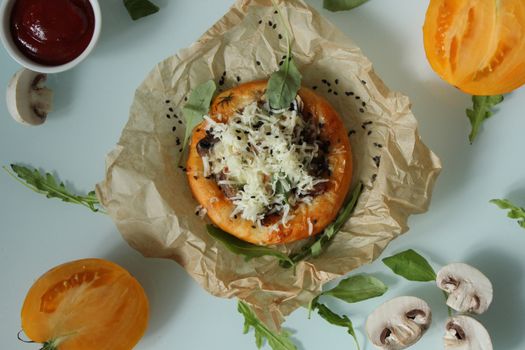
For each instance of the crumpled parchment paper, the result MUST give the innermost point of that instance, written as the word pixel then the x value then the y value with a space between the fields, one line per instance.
pixel 148 197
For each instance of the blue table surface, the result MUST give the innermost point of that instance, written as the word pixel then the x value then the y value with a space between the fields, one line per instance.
pixel 91 107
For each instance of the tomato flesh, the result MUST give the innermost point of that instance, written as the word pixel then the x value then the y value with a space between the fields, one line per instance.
pixel 86 304
pixel 477 45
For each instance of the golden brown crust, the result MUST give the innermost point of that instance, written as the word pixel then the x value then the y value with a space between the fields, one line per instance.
pixel 324 207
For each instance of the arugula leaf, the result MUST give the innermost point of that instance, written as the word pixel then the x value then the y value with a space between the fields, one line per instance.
pixel 48 185
pixel 140 8
pixel 515 212
pixel 276 341
pixel 357 288
pixel 315 247
pixel 197 107
pixel 411 266
pixel 335 319
pixel 481 110
pixel 240 247
pixel 342 5
pixel 283 85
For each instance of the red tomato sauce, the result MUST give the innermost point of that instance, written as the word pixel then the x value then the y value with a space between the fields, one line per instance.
pixel 52 32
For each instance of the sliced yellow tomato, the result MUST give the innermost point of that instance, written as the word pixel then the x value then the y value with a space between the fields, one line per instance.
pixel 477 45
pixel 85 305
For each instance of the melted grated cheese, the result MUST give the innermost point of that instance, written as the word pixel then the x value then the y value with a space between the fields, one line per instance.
pixel 262 156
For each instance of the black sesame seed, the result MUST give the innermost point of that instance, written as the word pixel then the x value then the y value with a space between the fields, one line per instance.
pixel 253 226
pixel 357 97
pixel 280 36
pixel 363 104
pixel 181 167
pixel 180 121
pixel 221 82
pixel 268 133
pixel 175 116
pixel 224 73
pixel 329 90
pixel 258 63
pixel 196 177
pixel 168 116
pixel 185 99
pixel 174 128
pixel 314 87
pixel 281 63
pixel 335 93
pixel 284 57
pixel 270 23
pixel 252 197
pixel 239 138
pixel 235 216
pixel 274 26
pixel 238 78
pixel 377 160
pixel 361 110
pixel 170 109
pixel 351 132
pixel 246 132
pixel 260 21
pixel 167 101
pixel 315 221
pixel 337 81
pixel 275 12
pixel 368 133
pixel 324 81
pixel 180 150
pixel 364 82
pixel 276 136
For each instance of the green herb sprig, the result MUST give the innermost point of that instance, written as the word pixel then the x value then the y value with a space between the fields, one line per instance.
pixel 342 5
pixel 283 85
pixel 51 187
pixel 413 267
pixel 481 111
pixel 351 290
pixel 140 8
pixel 515 212
pixel 197 107
pixel 315 247
pixel 248 250
pixel 276 341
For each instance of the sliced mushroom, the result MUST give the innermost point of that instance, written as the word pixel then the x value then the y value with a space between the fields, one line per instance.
pixel 28 100
pixel 468 289
pixel 465 333
pixel 398 323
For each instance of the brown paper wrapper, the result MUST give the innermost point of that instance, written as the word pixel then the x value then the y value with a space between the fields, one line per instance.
pixel 148 197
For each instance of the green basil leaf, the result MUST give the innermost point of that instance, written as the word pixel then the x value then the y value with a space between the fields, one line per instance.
pixel 48 185
pixel 342 5
pixel 240 247
pixel 315 247
pixel 481 111
pixel 284 84
pixel 140 8
pixel 515 212
pixel 197 107
pixel 357 288
pixel 280 341
pixel 337 320
pixel 411 266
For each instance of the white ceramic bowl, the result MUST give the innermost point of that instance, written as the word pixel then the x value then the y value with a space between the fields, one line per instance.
pixel 14 52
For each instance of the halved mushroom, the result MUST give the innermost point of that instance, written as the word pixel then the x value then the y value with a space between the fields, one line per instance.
pixel 398 323
pixel 468 289
pixel 28 100
pixel 465 333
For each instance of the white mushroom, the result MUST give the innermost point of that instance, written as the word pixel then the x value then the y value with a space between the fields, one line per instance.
pixel 398 323
pixel 28 100
pixel 468 289
pixel 465 333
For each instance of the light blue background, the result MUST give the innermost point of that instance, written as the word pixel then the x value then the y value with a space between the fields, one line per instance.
pixel 91 106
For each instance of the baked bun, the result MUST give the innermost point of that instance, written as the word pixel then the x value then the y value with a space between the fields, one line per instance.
pixel 312 209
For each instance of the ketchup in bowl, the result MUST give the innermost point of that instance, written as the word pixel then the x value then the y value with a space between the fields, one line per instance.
pixel 52 32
